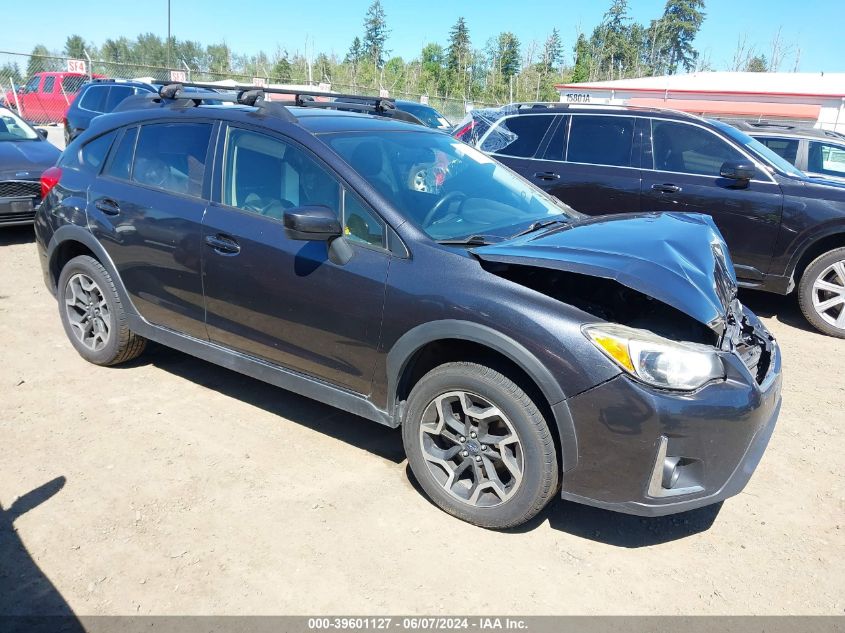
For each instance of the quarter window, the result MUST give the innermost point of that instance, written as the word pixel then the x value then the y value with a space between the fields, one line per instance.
pixel 689 149
pixel 171 156
pixel 826 159
pixel 518 136
pixel 120 163
pixel 93 153
pixel 116 95
pixel 94 99
pixel 601 140
pixel 73 83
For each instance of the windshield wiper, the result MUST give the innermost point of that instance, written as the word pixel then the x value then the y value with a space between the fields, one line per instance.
pixel 539 224
pixel 472 240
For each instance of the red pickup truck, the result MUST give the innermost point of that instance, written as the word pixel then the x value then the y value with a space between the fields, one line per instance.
pixel 46 97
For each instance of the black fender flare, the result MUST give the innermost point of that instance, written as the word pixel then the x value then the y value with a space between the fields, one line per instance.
pixel 809 240
pixel 80 234
pixel 413 340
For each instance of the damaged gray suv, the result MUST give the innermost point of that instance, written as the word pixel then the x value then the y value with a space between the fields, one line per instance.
pixel 525 350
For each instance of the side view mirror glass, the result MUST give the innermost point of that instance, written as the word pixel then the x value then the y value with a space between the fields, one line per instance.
pixel 42 133
pixel 736 170
pixel 312 223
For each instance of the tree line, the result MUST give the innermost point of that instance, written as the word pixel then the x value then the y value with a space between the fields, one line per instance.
pixel 501 69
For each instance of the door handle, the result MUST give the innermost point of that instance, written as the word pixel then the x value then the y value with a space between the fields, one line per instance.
pixel 546 175
pixel 107 206
pixel 223 244
pixel 666 188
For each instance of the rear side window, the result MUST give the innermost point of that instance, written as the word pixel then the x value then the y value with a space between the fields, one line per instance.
pixel 49 83
pixel 93 153
pixel 116 95
pixel 72 84
pixel 120 163
pixel 827 159
pixel 601 140
pixel 94 99
pixel 518 136
pixel 688 149
pixel 786 148
pixel 171 156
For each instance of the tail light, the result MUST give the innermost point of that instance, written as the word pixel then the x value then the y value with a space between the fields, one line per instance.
pixel 464 130
pixel 49 179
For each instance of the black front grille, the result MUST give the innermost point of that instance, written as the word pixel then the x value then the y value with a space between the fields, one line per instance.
pixel 20 189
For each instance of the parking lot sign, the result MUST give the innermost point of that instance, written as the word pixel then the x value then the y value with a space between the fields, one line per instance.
pixel 259 82
pixel 178 75
pixel 76 66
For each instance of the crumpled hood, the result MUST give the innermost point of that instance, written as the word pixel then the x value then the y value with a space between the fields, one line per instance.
pixel 29 157
pixel 678 258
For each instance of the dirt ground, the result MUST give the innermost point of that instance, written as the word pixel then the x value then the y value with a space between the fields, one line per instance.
pixel 172 486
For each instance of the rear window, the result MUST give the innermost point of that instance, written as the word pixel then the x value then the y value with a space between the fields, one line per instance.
pixel 601 140
pixel 518 136
pixel 73 83
pixel 171 156
pixel 94 98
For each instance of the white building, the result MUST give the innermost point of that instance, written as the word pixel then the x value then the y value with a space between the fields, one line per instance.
pixel 814 99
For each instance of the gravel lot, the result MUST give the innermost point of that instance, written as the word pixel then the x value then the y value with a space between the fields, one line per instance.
pixel 172 486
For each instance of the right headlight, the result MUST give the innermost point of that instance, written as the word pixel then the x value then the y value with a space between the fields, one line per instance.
pixel 656 360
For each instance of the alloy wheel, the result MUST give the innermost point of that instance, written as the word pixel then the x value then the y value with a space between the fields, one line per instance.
pixel 829 294
pixel 471 449
pixel 87 312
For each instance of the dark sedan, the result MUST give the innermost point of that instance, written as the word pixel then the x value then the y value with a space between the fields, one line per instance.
pixel 24 155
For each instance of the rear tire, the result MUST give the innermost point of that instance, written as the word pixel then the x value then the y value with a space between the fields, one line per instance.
pixel 93 315
pixel 479 446
pixel 821 293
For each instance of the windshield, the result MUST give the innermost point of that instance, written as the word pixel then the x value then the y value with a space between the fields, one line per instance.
pixel 760 150
pixel 444 186
pixel 426 114
pixel 14 128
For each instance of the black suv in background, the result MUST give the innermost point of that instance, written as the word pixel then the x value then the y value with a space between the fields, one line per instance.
pixel 784 230
pixel 99 97
pixel 818 153
pixel 517 343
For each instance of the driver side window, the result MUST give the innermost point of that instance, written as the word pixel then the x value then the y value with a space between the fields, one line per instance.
pixel 266 176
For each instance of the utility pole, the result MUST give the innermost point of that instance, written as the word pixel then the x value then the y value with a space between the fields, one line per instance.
pixel 168 33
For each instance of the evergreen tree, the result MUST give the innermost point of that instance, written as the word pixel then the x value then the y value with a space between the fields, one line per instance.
pixel 74 47
pixel 757 64
pixel 583 60
pixel 552 51
pixel 508 55
pixel 674 33
pixel 356 52
pixel 458 57
pixel 375 35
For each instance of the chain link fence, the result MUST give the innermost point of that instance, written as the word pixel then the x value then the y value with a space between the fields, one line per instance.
pixel 41 88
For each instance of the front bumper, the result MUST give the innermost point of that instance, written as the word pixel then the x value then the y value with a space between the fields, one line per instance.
pixel 17 211
pixel 712 438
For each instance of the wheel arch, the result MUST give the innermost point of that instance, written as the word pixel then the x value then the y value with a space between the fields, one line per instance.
pixel 832 238
pixel 438 342
pixel 71 241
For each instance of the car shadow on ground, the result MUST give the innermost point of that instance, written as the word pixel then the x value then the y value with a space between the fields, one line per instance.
pixel 783 308
pixel 26 594
pixel 346 427
pixel 13 235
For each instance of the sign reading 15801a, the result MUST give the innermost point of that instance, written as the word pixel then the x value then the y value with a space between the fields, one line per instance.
pixel 577 97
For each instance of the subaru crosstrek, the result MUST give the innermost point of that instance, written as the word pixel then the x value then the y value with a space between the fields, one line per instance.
pixel 399 274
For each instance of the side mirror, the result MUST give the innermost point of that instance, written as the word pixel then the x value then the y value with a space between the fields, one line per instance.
pixel 312 223
pixel 735 170
pixel 42 133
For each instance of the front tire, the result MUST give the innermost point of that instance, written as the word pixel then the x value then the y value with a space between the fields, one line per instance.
pixel 821 293
pixel 479 446
pixel 93 316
